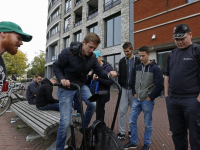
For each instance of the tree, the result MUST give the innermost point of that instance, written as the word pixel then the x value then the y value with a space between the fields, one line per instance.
pixel 15 64
pixel 37 65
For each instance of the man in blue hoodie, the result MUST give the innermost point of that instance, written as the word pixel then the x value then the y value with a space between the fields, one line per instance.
pixel 104 84
pixel 182 90
pixel 148 86
pixel 73 65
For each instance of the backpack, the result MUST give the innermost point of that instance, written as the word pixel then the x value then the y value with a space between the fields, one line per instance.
pixel 93 86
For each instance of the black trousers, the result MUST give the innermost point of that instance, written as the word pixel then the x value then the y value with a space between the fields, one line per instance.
pixel 184 114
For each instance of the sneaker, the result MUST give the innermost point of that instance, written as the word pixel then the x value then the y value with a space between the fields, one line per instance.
pixel 129 145
pixel 129 134
pixel 145 147
pixel 121 136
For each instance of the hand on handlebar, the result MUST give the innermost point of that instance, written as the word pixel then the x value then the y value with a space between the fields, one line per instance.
pixel 112 73
pixel 65 83
pixel 95 77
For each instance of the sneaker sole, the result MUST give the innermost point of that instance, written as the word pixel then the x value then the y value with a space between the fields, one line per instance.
pixel 130 147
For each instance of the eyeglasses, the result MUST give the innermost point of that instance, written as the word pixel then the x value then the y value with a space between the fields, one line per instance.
pixel 39 79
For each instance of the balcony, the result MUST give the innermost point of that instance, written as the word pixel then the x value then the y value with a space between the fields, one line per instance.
pixel 77 2
pixel 53 22
pixel 92 13
pixel 111 4
pixel 78 22
pixel 68 10
pixel 52 8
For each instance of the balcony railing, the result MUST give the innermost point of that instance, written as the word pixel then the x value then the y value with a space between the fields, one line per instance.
pixel 111 4
pixel 67 29
pixel 68 10
pixel 50 59
pixel 77 2
pixel 93 13
pixel 78 22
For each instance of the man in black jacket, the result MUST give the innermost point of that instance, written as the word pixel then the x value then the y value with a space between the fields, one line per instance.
pixel 73 65
pixel 182 90
pixel 44 98
pixel 127 67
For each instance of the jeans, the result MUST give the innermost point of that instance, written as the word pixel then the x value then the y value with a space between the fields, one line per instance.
pixel 184 114
pixel 50 106
pixel 65 104
pixel 147 108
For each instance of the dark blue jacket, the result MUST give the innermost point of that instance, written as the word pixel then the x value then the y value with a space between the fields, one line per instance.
pixel 71 66
pixel 31 91
pixel 183 72
pixel 104 84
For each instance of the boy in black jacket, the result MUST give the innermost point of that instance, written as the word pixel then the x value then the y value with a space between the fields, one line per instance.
pixel 44 98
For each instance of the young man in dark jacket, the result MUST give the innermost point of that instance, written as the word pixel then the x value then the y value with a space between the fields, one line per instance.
pixel 127 66
pixel 73 65
pixel 104 84
pixel 148 85
pixel 32 89
pixel 44 98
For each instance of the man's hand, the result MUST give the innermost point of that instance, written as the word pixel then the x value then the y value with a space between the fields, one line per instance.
pixel 198 98
pixel 90 73
pixel 135 95
pixel 65 83
pixel 95 77
pixel 148 99
pixel 112 73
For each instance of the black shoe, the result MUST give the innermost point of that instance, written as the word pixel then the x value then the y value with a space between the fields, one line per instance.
pixel 145 147
pixel 129 145
pixel 121 136
pixel 129 134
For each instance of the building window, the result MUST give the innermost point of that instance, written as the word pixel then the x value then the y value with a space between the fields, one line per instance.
pixel 77 37
pixel 93 29
pixel 54 15
pixel 52 3
pixel 78 2
pixel 67 24
pixel 53 31
pixel 113 31
pixel 110 3
pixel 68 6
pixel 162 58
pixel 67 42
pixel 53 54
pixel 189 1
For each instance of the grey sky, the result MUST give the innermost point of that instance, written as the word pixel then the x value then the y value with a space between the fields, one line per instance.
pixel 31 16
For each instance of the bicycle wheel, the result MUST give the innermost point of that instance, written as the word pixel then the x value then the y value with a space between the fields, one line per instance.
pixel 105 139
pixel 5 103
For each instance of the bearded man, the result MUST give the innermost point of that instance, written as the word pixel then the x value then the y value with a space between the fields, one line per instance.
pixel 11 37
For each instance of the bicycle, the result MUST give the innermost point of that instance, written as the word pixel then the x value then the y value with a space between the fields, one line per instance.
pixel 98 136
pixel 6 97
pixel 17 87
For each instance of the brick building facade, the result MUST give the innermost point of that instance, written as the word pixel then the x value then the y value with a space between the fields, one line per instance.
pixel 154 22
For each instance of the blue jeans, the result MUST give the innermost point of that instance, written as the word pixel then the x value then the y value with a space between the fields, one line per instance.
pixel 50 106
pixel 65 104
pixel 136 108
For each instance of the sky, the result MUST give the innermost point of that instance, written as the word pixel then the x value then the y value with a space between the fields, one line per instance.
pixel 31 16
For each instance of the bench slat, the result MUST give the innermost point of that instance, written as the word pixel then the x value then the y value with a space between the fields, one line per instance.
pixel 29 122
pixel 40 113
pixel 35 115
pixel 32 119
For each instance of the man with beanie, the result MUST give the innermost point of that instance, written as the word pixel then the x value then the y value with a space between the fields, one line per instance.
pixel 182 88
pixel 11 37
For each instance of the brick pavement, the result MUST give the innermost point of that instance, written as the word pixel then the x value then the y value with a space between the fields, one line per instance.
pixel 12 138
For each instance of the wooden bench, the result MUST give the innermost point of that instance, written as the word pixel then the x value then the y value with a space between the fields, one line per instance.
pixel 43 122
